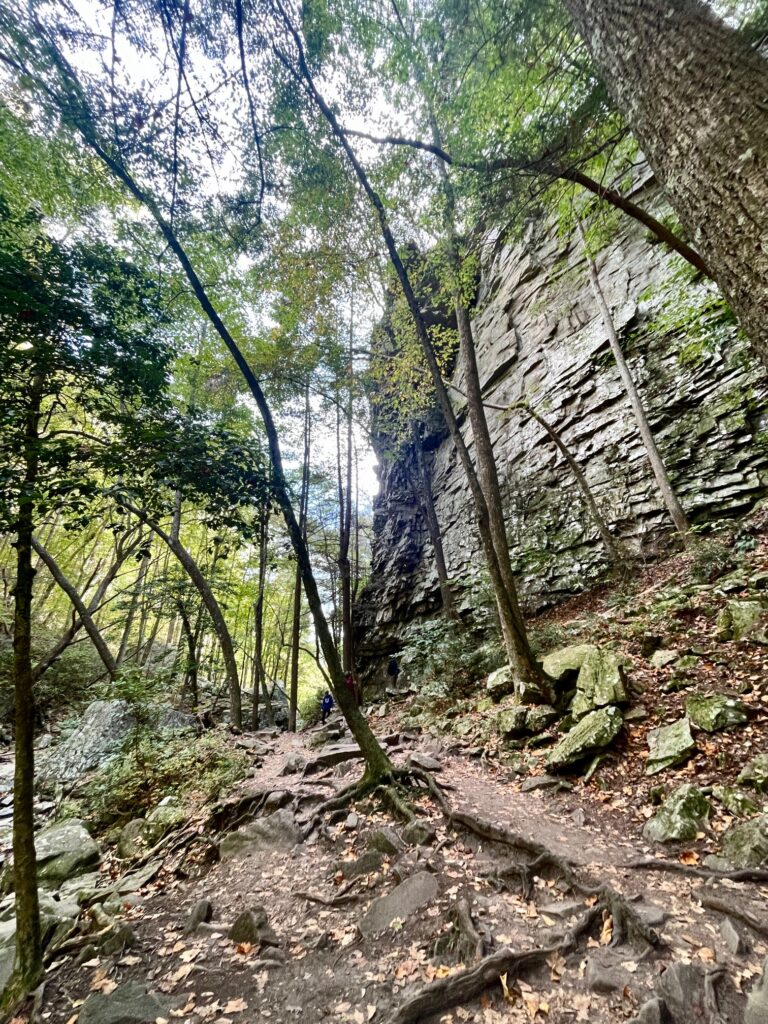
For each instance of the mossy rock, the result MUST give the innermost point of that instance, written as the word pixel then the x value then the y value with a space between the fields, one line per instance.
pixel 746 845
pixel 593 733
pixel 740 620
pixel 669 745
pixel 716 711
pixel 511 721
pixel 680 818
pixel 734 801
pixel 500 683
pixel 540 718
pixel 600 683
pixel 755 773
pixel 567 661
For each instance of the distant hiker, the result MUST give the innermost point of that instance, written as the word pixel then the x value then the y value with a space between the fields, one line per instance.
pixel 353 688
pixel 393 670
pixel 327 705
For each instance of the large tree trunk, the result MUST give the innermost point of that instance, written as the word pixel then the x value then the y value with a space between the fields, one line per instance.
pixel 694 93
pixel 28 966
pixel 293 695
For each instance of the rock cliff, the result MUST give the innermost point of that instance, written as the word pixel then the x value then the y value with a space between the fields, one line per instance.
pixel 539 337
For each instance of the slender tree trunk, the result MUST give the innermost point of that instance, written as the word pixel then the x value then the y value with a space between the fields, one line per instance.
pixel 28 966
pixel 190 680
pixel 258 618
pixel 79 605
pixel 668 495
pixel 694 93
pixel 424 489
pixel 293 696
pixel 345 520
pixel 223 635
pixel 132 609
pixel 611 547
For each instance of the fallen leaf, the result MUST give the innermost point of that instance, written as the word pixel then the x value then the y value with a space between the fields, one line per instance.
pixel 689 857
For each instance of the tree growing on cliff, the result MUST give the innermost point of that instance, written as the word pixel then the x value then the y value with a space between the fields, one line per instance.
pixel 693 90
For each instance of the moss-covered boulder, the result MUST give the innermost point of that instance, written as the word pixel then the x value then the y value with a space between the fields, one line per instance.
pixel 746 845
pixel 540 718
pixel 64 850
pixel 511 721
pixel 734 801
pixel 716 711
pixel 500 683
pixel 741 620
pixel 681 816
pixel 600 683
pixel 594 732
pixel 162 819
pixel 564 663
pixel 755 773
pixel 669 745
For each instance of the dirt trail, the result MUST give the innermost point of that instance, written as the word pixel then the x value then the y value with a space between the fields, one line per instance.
pixel 325 970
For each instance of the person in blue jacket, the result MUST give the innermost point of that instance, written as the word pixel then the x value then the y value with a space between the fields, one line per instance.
pixel 327 705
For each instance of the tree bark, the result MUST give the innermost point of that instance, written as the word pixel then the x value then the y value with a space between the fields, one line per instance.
pixel 258 618
pixel 293 694
pixel 190 675
pixel 694 93
pixel 135 598
pixel 666 489
pixel 28 965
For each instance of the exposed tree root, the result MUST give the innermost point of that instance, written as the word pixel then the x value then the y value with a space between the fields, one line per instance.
pixel 731 910
pixel 466 985
pixel 628 926
pixel 342 900
pixel 652 864
pixel 472 945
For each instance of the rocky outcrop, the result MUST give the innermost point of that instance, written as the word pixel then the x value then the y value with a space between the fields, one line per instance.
pixel 539 337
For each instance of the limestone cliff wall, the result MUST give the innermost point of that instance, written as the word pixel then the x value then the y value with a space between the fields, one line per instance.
pixel 539 336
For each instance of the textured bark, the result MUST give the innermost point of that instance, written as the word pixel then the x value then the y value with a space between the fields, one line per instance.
pixel 258 619
pixel 293 696
pixel 132 608
pixel 28 966
pixel 696 96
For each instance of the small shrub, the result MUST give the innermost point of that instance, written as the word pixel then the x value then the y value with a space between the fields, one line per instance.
pixel 711 560
pixel 194 769
pixel 443 657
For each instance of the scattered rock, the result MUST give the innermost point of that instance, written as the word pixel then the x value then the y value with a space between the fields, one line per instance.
pixel 534 782
pixel 277 831
pixel 738 803
pixel 132 841
pixel 410 896
pixel 419 833
pixel 746 845
pixel 273 955
pixel 127 1004
pixel 681 816
pixel 511 721
pixel 64 850
pixel 606 978
pixel 294 763
pixel 734 937
pixel 562 909
pixel 387 841
pixel 366 864
pixel 162 819
pixel 253 926
pixel 669 745
pixel 120 938
pixel 755 773
pixel 741 620
pixel 653 1011
pixel 333 755
pixel 563 665
pixel 540 718
pixel 757 1001
pixel 500 683
pixel 594 732
pixel 651 914
pixel 201 913
pixel 600 683
pixel 351 822
pixel 425 762
pixel 714 712
pixel 662 658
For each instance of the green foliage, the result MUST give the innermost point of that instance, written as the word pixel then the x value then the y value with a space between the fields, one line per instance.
pixel 194 769
pixel 443 657
pixel 712 558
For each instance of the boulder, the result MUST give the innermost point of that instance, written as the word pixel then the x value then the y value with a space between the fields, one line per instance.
pixel 421 760
pixel 563 665
pixel 64 850
pixel 756 1011
pixel 669 745
pixel 746 845
pixel 554 782
pixel 403 902
pixel 334 754
pixel 132 841
pixel 127 1004
pixel 293 764
pixel 253 927
pixel 594 732
pixel 366 864
pixel 653 1011
pixel 276 831
pixel 735 801
pixel 755 773
pixel 104 730
pixel 680 818
pixel 201 913
pixel 741 620
pixel 162 819
pixel 540 718
pixel 714 712
pixel 600 683
pixel 684 989
pixel 419 833
pixel 387 841
pixel 500 683
pixel 663 657
pixel 511 721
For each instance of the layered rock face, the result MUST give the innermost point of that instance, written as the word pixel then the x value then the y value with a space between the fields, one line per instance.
pixel 540 338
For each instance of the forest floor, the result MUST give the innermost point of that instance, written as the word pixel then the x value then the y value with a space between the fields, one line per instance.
pixel 611 936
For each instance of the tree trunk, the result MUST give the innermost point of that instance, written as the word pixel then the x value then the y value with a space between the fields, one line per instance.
pixel 293 695
pixel 424 489
pixel 190 674
pixel 135 598
pixel 694 92
pixel 258 618
pixel 28 966
pixel 84 615
pixel 668 495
